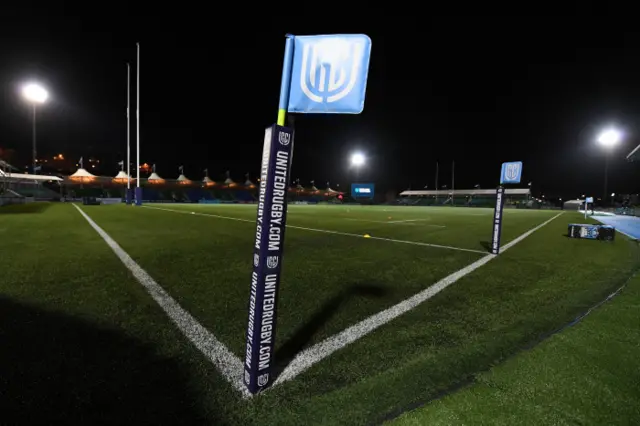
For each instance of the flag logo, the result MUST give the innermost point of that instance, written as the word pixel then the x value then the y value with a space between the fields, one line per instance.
pixel 330 68
pixel 284 138
pixel 263 379
pixel 329 74
pixel 272 262
pixel 512 171
pixel 256 260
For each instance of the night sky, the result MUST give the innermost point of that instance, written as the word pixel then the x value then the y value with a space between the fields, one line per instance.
pixel 477 91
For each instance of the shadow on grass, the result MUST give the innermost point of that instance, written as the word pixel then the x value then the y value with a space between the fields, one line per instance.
pixel 304 334
pixel 486 245
pixel 36 207
pixel 56 369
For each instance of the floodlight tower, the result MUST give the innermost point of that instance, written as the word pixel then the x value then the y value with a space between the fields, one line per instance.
pixel 34 94
pixel 608 139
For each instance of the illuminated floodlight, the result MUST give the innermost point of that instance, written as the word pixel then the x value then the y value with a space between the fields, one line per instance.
pixel 357 159
pixel 609 137
pixel 35 93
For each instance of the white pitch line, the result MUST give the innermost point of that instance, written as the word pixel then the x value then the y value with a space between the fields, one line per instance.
pixel 202 214
pixel 226 362
pixel 318 352
pixel 395 222
pixel 325 231
pixel 364 220
pixel 413 222
pixel 407 220
pixel 391 240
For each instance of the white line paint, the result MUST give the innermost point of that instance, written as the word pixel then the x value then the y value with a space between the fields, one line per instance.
pixel 325 231
pixel 407 220
pixel 201 214
pixel 395 222
pixel 318 352
pixel 364 220
pixel 226 362
pixel 525 235
pixel 421 244
pixel 413 222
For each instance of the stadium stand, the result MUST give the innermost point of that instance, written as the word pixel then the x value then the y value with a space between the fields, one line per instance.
pixel 36 187
pixel 155 189
pixel 516 197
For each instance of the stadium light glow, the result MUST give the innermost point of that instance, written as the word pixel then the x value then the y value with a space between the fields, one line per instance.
pixel 609 137
pixel 357 159
pixel 35 93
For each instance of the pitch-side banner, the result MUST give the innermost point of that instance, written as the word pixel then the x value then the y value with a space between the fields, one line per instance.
pixel 497 221
pixel 267 257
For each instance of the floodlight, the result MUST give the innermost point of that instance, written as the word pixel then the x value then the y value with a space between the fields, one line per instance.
pixel 35 93
pixel 357 159
pixel 609 137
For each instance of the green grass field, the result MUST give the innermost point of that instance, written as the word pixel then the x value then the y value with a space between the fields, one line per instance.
pixel 586 375
pixel 82 340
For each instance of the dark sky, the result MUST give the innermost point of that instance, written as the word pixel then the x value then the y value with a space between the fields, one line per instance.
pixel 479 91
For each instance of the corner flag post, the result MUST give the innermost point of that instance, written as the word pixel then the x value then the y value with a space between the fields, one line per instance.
pixel 269 240
pixel 510 173
pixel 329 75
pixel 497 220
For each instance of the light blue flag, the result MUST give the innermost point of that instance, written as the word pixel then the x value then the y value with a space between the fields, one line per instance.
pixel 329 74
pixel 511 172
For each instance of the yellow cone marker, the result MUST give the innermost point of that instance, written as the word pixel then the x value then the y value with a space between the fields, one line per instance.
pixel 367 236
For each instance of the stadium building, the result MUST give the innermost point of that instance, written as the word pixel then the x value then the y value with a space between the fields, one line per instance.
pixel 465 198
